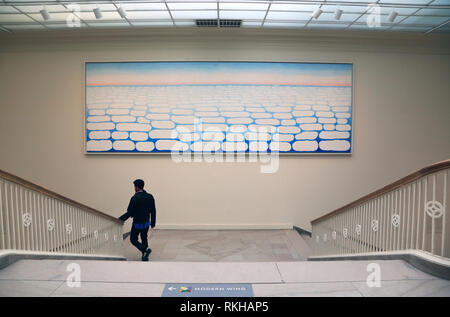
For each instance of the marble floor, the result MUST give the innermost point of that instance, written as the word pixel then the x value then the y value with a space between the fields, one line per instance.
pixel 224 246
pixel 46 278
pixel 273 262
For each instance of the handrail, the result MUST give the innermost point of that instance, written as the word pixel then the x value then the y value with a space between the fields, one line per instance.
pixel 409 214
pixel 18 180
pixel 33 218
pixel 436 167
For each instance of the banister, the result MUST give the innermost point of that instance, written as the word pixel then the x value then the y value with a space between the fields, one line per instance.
pixel 18 180
pixel 403 181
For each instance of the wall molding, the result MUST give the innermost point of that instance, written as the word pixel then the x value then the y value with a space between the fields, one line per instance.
pixel 226 39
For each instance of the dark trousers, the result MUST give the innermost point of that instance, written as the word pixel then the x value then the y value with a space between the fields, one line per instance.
pixel 134 234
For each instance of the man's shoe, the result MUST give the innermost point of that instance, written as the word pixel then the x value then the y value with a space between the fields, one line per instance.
pixel 146 254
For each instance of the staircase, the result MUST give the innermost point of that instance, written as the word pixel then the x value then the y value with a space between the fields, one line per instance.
pixel 380 245
pixel 299 278
pixel 408 219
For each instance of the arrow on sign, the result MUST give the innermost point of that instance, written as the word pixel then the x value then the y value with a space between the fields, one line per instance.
pixel 172 288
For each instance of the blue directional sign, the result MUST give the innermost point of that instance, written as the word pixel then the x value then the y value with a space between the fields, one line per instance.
pixel 207 290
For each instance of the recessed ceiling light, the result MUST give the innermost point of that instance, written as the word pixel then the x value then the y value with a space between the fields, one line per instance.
pixel 337 14
pixel 98 13
pixel 317 13
pixel 392 16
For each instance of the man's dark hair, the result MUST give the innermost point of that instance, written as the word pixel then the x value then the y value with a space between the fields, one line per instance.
pixel 139 183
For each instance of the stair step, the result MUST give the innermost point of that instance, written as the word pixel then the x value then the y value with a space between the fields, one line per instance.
pixel 210 272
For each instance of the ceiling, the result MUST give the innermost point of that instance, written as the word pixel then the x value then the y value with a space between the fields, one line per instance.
pixel 423 16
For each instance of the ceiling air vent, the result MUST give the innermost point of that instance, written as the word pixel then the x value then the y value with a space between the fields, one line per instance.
pixel 223 23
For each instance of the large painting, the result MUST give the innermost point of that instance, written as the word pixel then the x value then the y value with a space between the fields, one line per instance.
pixel 159 107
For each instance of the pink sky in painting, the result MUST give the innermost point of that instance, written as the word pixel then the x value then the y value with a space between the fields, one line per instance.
pixel 181 78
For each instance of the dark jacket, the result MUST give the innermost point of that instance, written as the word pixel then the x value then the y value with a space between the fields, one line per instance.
pixel 140 208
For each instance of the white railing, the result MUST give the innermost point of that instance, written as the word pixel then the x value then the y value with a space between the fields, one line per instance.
pixel 33 218
pixel 410 214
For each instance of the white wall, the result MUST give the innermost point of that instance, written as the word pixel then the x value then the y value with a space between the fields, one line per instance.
pixel 401 123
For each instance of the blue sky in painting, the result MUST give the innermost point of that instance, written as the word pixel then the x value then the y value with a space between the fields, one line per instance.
pixel 122 73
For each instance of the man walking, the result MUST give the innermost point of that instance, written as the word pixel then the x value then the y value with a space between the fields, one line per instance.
pixel 140 208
